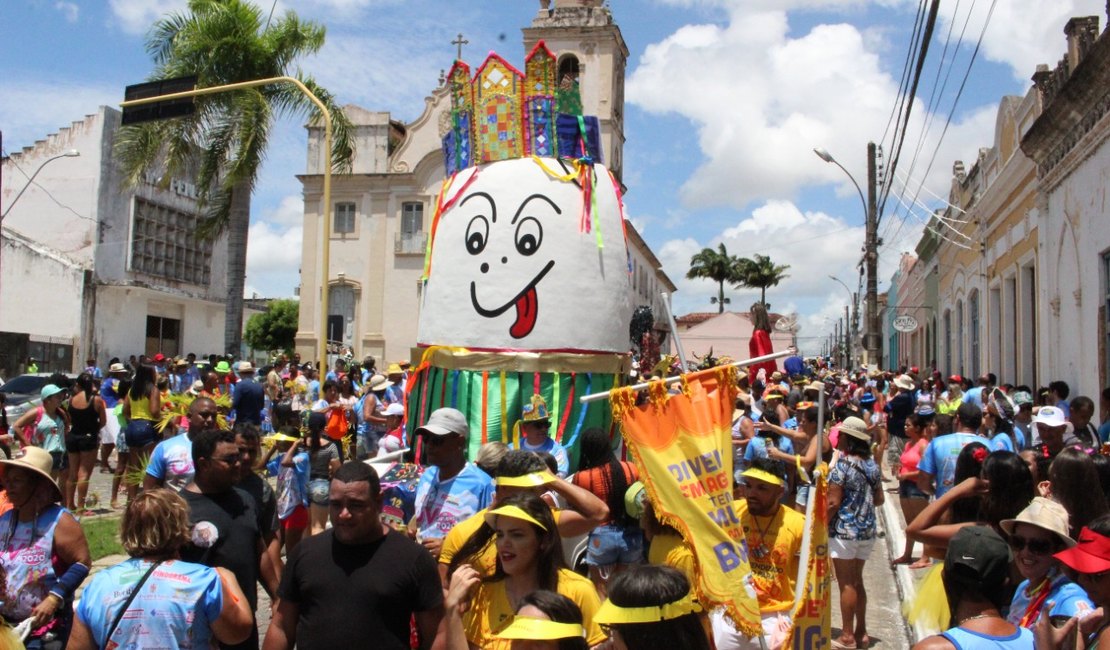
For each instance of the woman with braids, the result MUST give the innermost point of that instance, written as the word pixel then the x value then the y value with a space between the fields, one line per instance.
pixel 652 607
pixel 529 558
pixel 619 542
pixel 546 620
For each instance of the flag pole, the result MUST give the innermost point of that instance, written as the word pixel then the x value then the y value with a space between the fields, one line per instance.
pixel 594 397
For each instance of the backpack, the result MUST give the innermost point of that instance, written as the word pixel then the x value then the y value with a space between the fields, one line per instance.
pixel 336 428
pixel 30 431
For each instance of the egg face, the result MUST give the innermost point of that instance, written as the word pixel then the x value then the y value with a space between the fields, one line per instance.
pixel 514 268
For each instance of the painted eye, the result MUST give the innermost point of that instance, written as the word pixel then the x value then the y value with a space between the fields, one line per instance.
pixel 529 236
pixel 477 234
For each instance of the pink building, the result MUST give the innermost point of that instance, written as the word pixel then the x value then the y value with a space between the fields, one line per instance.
pixel 727 334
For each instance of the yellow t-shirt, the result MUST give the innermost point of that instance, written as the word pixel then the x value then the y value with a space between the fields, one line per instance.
pixel 457 536
pixel 670 550
pixel 490 611
pixel 773 547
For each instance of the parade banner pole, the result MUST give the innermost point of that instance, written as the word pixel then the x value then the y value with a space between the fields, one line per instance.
pixel 674 329
pixel 595 397
pixel 807 543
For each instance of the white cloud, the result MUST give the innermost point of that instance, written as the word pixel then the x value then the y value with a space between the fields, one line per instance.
pixel 55 106
pixel 68 10
pixel 137 16
pixel 273 259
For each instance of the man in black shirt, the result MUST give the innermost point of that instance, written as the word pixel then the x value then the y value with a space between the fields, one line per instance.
pixel 358 584
pixel 224 519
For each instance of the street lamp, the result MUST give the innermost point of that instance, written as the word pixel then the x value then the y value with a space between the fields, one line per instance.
pixel 870 247
pixel 851 333
pixel 72 153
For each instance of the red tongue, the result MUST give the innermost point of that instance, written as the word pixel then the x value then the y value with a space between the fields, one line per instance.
pixel 526 309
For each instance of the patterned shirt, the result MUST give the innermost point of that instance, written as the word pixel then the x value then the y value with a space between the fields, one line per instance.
pixel 858 478
pixel 441 505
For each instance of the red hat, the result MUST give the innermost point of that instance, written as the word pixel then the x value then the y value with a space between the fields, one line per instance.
pixel 1090 555
pixel 955 379
pixel 159 358
pixel 913 369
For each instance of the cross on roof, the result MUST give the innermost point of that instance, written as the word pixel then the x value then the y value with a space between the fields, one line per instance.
pixel 460 41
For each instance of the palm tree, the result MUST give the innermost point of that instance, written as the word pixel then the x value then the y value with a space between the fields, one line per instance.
pixel 224 143
pixel 760 272
pixel 718 266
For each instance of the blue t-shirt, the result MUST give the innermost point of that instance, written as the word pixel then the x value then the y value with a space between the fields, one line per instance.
pixel 1001 442
pixel 857 478
pixel 440 505
pixel 1069 599
pixel 939 458
pixel 292 483
pixel 108 392
pixel 553 448
pixel 974 396
pixel 757 448
pixel 1021 639
pixel 1104 431
pixel 172 462
pixel 174 609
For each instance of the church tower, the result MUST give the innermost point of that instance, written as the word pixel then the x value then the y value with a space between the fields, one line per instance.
pixel 590 52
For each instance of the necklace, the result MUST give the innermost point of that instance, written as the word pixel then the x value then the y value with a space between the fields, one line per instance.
pixel 760 550
pixel 983 615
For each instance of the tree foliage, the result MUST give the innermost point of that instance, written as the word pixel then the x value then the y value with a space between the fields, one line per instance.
pixel 759 273
pixel 275 328
pixel 716 265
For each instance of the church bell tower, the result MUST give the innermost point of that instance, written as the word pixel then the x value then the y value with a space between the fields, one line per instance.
pixel 590 52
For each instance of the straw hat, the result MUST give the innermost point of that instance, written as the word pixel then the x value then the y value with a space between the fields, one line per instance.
pixel 379 382
pixel 904 382
pixel 1044 514
pixel 856 428
pixel 37 460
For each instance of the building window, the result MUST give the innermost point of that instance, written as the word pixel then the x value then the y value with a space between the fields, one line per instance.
pixel 341 314
pixel 163 335
pixel 960 336
pixel 948 341
pixel 164 243
pixel 1105 318
pixel 344 218
pixel 973 326
pixel 412 217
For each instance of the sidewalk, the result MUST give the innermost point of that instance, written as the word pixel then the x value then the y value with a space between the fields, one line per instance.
pixel 905 579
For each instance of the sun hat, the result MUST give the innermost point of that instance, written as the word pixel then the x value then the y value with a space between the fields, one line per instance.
pixel 197 387
pixel 396 408
pixel 116 367
pixel 223 367
pixel 37 460
pixel 1044 514
pixel 444 422
pixel 776 376
pixel 245 367
pixel 535 410
pixel 1050 416
pixel 1091 553
pixel 394 369
pixel 281 437
pixel 524 628
pixel 977 555
pixel 855 428
pixel 379 382
pixel 613 614
pixel 514 512
pixel 904 382
pixel 817 386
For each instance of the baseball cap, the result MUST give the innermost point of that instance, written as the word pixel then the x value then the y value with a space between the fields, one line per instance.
pixel 955 379
pixel 444 422
pixel 1091 554
pixel 1050 416
pixel 394 409
pixel 977 555
pixel 159 358
pixel 1022 398
pixel 49 390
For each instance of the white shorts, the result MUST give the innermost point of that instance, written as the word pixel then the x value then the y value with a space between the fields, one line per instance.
pixel 110 431
pixel 776 627
pixel 850 549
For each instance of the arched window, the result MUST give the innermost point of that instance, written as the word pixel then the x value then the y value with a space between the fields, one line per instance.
pixel 960 336
pixel 973 331
pixel 341 313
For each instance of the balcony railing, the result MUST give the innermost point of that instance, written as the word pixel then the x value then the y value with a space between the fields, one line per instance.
pixel 410 243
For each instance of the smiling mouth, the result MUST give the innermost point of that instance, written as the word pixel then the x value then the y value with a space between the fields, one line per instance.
pixel 526 303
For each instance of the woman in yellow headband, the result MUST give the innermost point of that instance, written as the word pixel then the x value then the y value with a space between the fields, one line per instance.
pixel 529 558
pixel 651 607
pixel 546 620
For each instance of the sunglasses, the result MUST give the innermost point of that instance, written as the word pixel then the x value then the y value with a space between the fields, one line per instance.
pixel 1035 546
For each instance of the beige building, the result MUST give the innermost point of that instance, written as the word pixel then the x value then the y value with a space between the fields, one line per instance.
pixel 381 211
pixel 725 334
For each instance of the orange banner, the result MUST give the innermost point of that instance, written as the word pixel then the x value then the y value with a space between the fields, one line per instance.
pixel 682 445
pixel 812 614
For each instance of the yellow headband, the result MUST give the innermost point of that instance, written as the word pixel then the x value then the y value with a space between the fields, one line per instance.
pixel 762 475
pixel 513 512
pixel 538 629
pixel 535 479
pixel 610 614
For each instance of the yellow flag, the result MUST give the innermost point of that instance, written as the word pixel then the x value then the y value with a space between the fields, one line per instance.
pixel 682 446
pixel 812 613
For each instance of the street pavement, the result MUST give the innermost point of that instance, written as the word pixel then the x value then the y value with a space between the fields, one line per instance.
pixel 886 589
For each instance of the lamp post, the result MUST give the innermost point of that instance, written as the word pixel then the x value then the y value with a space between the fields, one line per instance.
pixel 870 246
pixel 71 153
pixel 855 316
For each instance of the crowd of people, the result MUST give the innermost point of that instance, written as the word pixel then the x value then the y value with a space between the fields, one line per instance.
pixel 272 479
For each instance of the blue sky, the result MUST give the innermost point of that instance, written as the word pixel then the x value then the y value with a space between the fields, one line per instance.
pixel 725 101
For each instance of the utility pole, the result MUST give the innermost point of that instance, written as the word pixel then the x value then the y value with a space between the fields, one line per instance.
pixel 847 339
pixel 871 258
